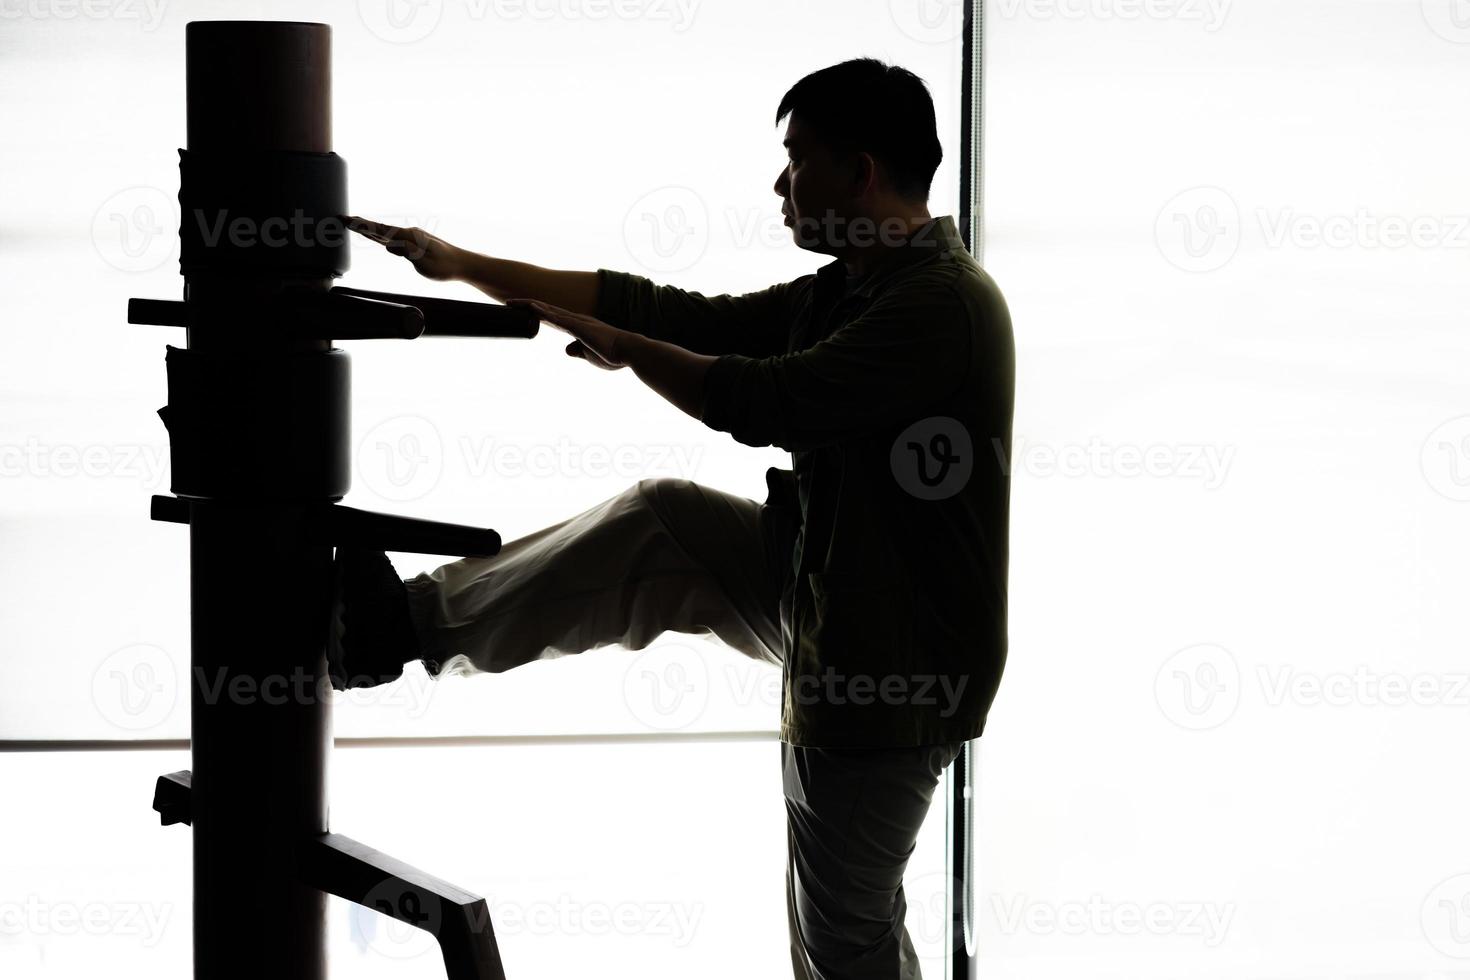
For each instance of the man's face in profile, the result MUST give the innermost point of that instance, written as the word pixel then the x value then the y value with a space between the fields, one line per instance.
pixel 814 192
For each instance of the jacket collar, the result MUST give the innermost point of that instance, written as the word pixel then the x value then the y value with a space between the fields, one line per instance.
pixel 936 236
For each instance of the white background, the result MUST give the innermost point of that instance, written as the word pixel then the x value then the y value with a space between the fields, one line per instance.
pixel 1229 739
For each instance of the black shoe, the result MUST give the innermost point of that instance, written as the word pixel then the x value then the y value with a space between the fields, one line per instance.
pixel 370 636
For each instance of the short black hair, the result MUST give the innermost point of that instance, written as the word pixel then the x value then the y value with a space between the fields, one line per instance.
pixel 866 105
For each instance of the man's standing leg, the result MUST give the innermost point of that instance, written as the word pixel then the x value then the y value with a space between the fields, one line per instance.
pixel 853 817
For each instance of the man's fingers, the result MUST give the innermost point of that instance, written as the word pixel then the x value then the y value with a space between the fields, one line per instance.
pixel 378 232
pixel 541 309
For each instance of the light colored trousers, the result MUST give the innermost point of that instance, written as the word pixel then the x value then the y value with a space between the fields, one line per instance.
pixel 672 555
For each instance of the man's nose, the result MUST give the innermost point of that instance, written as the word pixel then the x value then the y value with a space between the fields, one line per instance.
pixel 781 185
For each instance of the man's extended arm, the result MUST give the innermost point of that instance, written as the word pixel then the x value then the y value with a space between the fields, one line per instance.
pixel 504 279
pixel 756 324
pixel 671 371
pixel 501 279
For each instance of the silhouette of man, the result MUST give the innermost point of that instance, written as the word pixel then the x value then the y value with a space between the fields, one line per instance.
pixel 874 574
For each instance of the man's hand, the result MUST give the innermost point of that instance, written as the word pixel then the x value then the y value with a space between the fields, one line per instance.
pixel 594 341
pixel 432 257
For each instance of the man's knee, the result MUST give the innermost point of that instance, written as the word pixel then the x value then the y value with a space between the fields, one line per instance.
pixel 657 489
pixel 675 500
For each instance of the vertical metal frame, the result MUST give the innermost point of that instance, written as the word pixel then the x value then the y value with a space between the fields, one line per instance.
pixel 960 846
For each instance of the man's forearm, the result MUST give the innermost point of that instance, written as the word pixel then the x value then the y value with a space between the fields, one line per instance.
pixel 504 279
pixel 675 373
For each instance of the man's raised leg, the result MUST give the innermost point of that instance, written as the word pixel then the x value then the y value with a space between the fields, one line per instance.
pixel 665 555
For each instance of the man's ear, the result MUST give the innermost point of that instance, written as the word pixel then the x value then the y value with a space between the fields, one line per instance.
pixel 864 172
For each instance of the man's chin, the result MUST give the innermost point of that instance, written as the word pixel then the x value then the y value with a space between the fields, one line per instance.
pixel 805 235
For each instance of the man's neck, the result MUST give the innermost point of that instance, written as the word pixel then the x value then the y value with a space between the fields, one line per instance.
pixel 859 261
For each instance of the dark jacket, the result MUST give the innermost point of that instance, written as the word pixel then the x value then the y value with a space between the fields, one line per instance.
pixel 895 402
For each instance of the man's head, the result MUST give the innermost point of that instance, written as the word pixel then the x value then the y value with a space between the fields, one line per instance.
pixel 862 150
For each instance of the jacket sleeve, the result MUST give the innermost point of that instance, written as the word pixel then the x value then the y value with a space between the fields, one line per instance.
pixel 754 324
pixel 910 349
